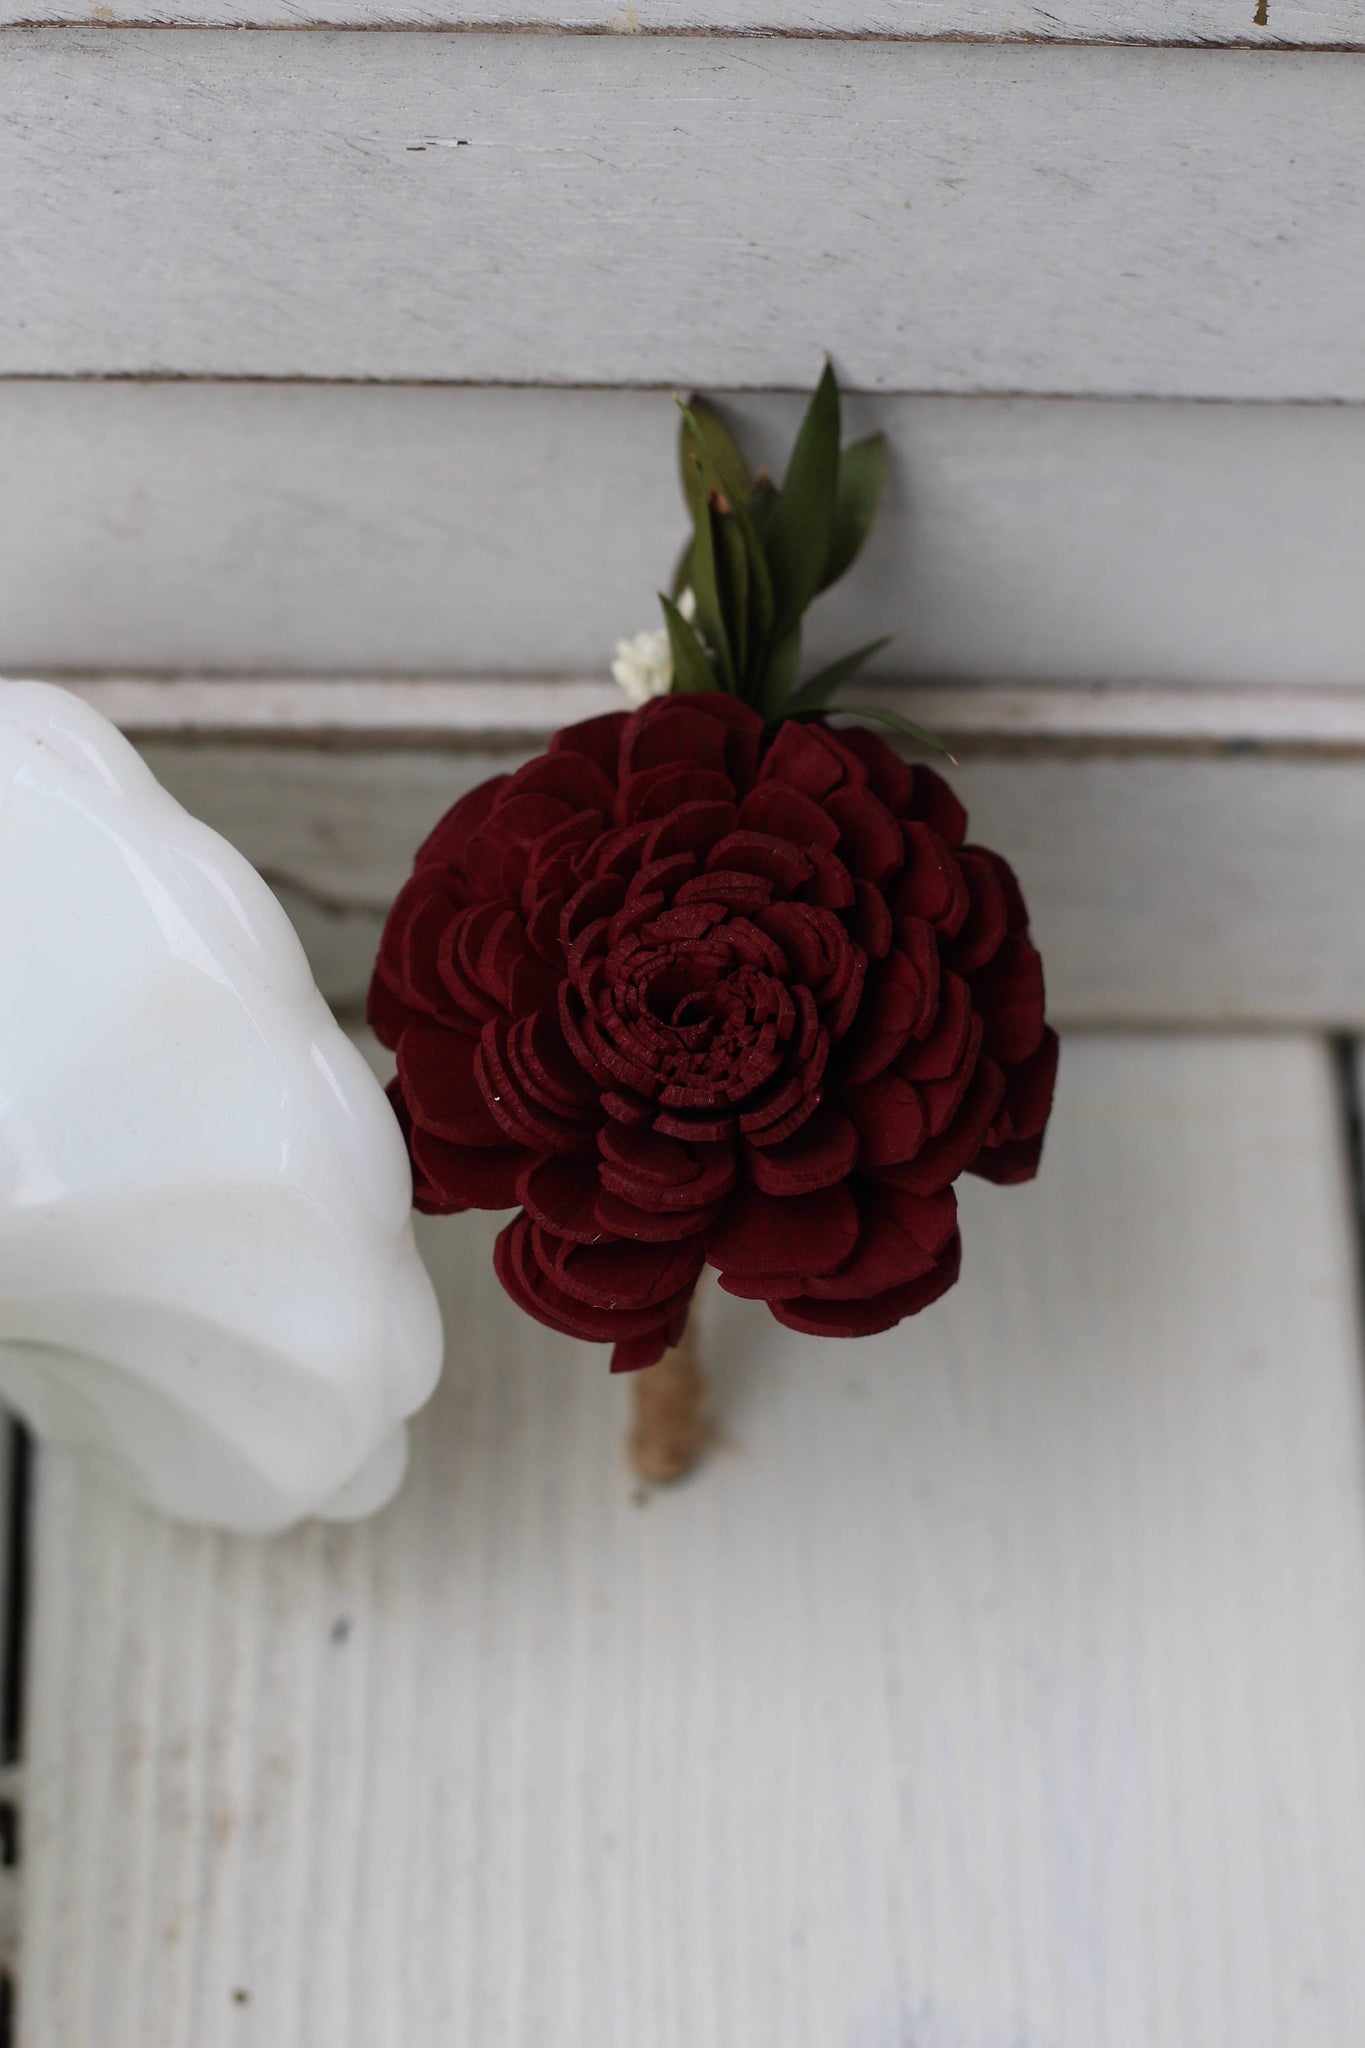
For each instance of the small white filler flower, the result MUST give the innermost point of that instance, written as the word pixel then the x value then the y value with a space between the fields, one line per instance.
pixel 644 665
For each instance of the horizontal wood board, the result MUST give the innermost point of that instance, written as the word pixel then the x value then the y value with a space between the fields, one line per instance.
pixel 971 718
pixel 174 526
pixel 1219 889
pixel 569 209
pixel 999 1680
pixel 1281 24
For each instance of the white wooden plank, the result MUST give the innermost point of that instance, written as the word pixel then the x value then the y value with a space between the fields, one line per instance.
pixel 342 710
pixel 1000 1681
pixel 177 526
pixel 1217 889
pixel 942 216
pixel 1280 24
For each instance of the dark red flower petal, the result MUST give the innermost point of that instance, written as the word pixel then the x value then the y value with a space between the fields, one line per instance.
pixel 619 1218
pixel 777 812
pixel 598 738
pixel 885 1257
pixel 652 1170
pixel 942 1098
pixel 710 731
pixel 887 775
pixel 450 1178
pixel 932 800
pixel 758 1233
pixel 987 919
pixel 634 1354
pixel 820 1153
pixel 901 993
pixel 727 889
pixel 941 1160
pixel 627 1274
pixel 870 843
pixel 871 922
pixel 518 1112
pixel 560 1194
pixel 1016 909
pixel 1009 1164
pixel 570 778
pixel 614 981
pixel 405 970
pixel 436 1070
pixel 940 1051
pixel 1029 1089
pixel 889 1115
pixel 831 885
pixel 930 884
pixel 866 1318
pixel 1009 995
pixel 655 792
pixel 545 1067
pixel 458 954
pixel 446 844
pixel 387 1015
pixel 804 757
pixel 514 820
pixel 756 853
pixel 695 827
pixel 519 1259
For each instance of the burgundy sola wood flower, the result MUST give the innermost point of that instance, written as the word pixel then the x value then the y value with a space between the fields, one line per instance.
pixel 711 983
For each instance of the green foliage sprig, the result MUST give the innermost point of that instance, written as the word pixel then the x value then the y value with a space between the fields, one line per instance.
pixel 761 554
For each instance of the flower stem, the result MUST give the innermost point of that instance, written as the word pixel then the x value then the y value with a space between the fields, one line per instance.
pixel 670 1426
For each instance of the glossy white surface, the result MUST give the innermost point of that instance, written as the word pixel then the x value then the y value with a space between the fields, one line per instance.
pixel 208 1281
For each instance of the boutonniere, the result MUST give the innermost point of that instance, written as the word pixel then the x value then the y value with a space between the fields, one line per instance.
pixel 712 982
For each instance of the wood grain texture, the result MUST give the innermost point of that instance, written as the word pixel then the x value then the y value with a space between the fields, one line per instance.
pixel 1288 24
pixel 1212 890
pixel 947 217
pixel 452 712
pixel 1000 1684
pixel 230 527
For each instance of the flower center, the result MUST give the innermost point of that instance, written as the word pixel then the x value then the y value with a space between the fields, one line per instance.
pixel 709 1026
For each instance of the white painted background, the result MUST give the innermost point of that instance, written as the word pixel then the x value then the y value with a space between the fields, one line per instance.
pixel 998 1684
pixel 1287 23
pixel 581 209
pixel 277 528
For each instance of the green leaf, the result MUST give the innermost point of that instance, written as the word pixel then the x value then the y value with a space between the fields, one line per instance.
pixel 763 502
pixel 706 590
pixel 701 425
pixel 733 564
pixel 899 724
pixel 716 478
pixel 783 663
pixel 862 480
pixel 691 669
pixel 682 574
pixel 801 530
pixel 817 691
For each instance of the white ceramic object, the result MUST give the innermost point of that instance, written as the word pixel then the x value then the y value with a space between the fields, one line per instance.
pixel 208 1281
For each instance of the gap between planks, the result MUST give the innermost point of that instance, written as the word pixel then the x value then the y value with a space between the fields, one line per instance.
pixel 971 716
pixel 1270 44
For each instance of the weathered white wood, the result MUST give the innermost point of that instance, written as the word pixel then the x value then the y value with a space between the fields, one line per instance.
pixel 967 716
pixel 629 209
pixel 999 1681
pixel 202 526
pixel 1287 24
pixel 1164 889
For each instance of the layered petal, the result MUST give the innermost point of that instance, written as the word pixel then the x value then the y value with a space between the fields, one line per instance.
pixel 685 990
